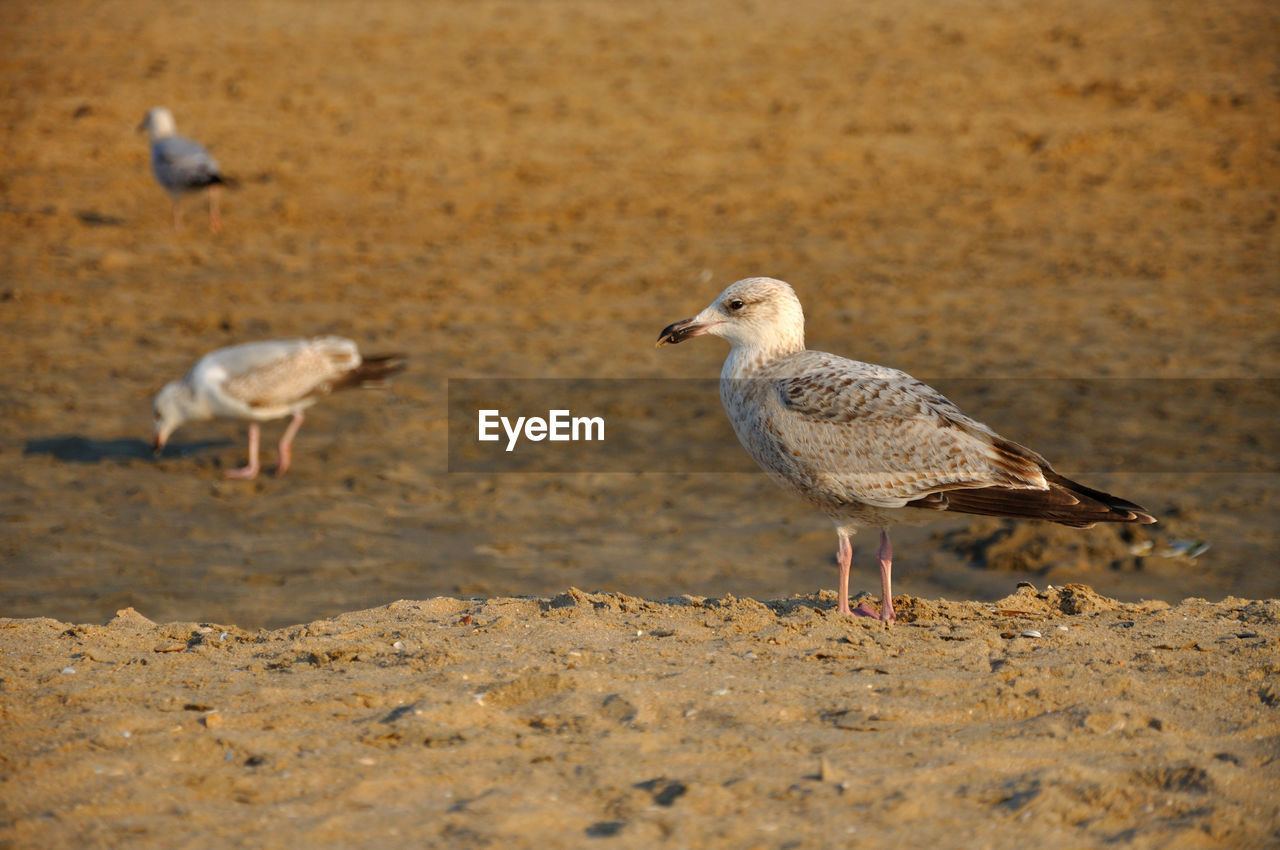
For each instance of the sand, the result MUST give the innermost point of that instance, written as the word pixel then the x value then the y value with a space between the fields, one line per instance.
pixel 1063 215
pixel 1055 718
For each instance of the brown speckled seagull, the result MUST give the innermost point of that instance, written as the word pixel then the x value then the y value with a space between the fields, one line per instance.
pixel 869 445
pixel 261 381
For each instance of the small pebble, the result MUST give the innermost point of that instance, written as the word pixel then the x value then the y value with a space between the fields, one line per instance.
pixel 398 645
pixel 68 669
pixel 1031 633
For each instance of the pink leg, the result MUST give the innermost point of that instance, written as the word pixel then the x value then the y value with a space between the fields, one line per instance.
pixel 286 443
pixel 844 557
pixel 215 217
pixel 886 583
pixel 251 471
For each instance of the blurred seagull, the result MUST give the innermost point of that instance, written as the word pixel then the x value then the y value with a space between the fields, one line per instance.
pixel 261 381
pixel 868 445
pixel 182 166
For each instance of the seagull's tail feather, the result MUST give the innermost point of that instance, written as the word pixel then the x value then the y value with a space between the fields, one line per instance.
pixel 1066 502
pixel 373 371
pixel 196 182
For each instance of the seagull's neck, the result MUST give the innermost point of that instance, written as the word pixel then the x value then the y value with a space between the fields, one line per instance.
pixel 747 360
pixel 195 405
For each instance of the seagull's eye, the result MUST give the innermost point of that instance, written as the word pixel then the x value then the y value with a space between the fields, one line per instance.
pixel 736 304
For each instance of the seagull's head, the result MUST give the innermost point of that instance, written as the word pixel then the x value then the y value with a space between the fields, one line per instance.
pixel 158 122
pixel 170 410
pixel 756 313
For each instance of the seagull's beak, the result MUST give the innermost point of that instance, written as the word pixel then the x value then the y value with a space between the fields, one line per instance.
pixel 157 442
pixel 677 332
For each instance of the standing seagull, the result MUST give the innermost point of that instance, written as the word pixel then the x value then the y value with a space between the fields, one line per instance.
pixel 869 445
pixel 182 166
pixel 260 381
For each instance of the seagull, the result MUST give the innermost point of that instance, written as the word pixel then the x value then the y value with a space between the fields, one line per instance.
pixel 868 445
pixel 182 166
pixel 261 381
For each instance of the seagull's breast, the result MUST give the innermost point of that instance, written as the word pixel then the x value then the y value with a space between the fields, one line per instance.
pixel 759 419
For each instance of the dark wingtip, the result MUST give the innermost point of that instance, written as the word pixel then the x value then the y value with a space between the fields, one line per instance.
pixel 1065 502
pixel 387 364
pixel 374 369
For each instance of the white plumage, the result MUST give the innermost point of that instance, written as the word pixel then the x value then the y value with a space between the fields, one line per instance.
pixel 261 381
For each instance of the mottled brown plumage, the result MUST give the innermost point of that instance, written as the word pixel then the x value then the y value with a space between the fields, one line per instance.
pixel 261 381
pixel 869 445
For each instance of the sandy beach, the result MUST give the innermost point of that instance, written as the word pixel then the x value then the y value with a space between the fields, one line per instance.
pixel 1054 718
pixel 1062 215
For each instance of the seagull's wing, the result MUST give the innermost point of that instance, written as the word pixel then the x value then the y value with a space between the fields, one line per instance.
pixel 270 379
pixel 181 164
pixel 878 436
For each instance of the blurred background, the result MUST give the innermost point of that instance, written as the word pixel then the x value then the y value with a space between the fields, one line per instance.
pixel 964 190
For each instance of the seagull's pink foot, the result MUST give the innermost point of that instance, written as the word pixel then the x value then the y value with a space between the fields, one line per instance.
pixel 864 610
pixel 887 614
pixel 249 471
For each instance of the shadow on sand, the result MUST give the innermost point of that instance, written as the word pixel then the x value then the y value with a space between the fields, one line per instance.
pixel 79 449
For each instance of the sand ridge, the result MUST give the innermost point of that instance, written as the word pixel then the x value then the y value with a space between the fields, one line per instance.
pixel 1055 717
